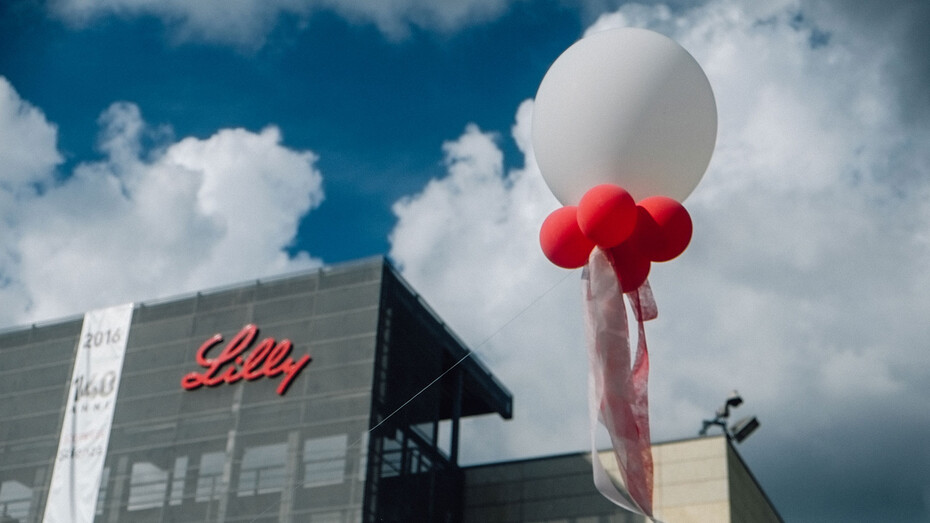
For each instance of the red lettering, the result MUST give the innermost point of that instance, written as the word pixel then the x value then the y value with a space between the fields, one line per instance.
pixel 254 359
pixel 267 359
pixel 276 359
pixel 292 368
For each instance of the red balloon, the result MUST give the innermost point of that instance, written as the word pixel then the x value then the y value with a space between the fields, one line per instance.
pixel 562 241
pixel 607 215
pixel 663 228
pixel 630 265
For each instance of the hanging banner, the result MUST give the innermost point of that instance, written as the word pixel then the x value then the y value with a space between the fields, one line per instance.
pixel 85 432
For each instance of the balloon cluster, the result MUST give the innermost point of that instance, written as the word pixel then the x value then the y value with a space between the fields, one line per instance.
pixel 633 235
pixel 624 126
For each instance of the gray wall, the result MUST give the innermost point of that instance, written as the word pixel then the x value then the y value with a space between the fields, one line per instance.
pixel 555 489
pixel 35 367
pixel 748 501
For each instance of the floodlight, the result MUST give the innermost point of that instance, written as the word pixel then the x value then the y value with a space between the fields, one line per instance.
pixel 744 427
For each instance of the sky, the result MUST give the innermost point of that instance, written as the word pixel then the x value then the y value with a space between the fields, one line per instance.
pixel 155 148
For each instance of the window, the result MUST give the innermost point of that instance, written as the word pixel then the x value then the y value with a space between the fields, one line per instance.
pixel 177 481
pixel 15 499
pixel 102 493
pixel 391 455
pixel 363 459
pixel 209 476
pixel 262 470
pixel 147 486
pixel 325 460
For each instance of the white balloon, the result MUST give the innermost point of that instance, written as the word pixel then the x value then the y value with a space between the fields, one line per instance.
pixel 629 107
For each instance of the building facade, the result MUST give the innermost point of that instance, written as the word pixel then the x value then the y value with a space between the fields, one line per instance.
pixel 251 439
pixel 328 396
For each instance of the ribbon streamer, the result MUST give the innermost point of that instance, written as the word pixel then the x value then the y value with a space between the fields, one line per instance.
pixel 617 387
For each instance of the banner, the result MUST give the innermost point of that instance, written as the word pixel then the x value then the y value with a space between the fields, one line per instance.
pixel 85 432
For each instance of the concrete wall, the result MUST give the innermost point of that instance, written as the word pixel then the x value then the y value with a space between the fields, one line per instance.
pixel 748 502
pixel 701 480
pixel 556 489
pixel 691 481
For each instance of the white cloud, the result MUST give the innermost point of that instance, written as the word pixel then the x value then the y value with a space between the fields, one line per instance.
pixel 238 22
pixel 247 23
pixel 395 18
pixel 185 216
pixel 28 147
pixel 805 284
pixel 29 157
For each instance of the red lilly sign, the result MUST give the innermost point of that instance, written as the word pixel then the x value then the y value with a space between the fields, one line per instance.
pixel 268 359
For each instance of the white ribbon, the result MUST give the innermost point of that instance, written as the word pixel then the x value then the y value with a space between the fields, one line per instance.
pixel 618 395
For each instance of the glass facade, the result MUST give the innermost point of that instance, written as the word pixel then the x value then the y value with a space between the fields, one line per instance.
pixel 367 431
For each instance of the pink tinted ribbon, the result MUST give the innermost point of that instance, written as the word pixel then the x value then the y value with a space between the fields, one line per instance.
pixel 618 395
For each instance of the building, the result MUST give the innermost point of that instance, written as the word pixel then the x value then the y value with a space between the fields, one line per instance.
pixel 328 396
pixel 697 480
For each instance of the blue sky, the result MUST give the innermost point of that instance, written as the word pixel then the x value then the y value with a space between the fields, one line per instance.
pixel 375 109
pixel 149 149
